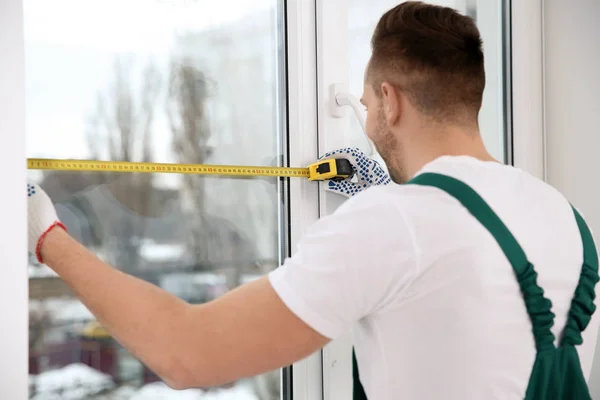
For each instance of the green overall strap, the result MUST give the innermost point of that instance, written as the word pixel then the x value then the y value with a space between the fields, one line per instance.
pixel 582 306
pixel 358 392
pixel 538 307
pixel 557 372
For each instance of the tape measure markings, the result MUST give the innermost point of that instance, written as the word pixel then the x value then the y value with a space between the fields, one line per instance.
pixel 145 167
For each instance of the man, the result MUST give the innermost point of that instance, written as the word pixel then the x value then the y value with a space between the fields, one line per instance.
pixel 438 277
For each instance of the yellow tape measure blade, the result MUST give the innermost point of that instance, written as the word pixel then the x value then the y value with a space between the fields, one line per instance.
pixel 144 167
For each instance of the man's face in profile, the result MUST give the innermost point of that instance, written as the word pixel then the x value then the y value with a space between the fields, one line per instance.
pixel 379 131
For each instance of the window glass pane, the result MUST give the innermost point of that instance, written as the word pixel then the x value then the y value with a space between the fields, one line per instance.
pixel 362 19
pixel 164 81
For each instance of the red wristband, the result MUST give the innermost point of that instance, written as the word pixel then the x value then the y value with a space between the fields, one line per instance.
pixel 38 247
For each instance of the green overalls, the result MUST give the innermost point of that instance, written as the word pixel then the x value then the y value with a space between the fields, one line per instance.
pixel 556 373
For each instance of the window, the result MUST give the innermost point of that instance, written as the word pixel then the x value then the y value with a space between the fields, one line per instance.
pixel 162 81
pixel 110 79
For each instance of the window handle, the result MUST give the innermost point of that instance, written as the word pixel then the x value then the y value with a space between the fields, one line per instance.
pixel 340 98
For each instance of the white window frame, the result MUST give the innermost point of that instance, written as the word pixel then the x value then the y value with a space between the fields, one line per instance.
pixel 333 133
pixel 307 377
pixel 13 238
pixel 527 87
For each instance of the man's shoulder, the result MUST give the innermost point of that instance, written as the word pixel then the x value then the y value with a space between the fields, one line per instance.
pixel 398 195
pixel 498 185
pixel 390 205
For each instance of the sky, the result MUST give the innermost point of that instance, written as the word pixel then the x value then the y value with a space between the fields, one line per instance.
pixel 107 24
pixel 70 47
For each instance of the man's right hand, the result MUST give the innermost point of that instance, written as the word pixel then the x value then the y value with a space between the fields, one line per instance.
pixel 368 172
pixel 42 218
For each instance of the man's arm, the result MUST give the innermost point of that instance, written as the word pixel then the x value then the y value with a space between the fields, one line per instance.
pixel 334 280
pixel 244 333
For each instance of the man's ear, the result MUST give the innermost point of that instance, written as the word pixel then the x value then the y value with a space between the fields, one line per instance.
pixel 391 103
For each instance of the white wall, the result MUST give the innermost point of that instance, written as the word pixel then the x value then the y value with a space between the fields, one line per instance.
pixel 572 110
pixel 13 285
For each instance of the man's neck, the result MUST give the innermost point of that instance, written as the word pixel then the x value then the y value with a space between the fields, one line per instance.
pixel 453 141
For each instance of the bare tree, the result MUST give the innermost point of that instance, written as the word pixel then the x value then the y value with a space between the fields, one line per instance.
pixel 186 110
pixel 120 130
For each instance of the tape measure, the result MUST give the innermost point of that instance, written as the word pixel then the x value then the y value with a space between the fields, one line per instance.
pixel 333 169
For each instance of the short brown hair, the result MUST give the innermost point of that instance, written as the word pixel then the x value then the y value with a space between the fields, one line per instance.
pixel 432 54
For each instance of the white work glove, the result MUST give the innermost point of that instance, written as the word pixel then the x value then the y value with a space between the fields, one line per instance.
pixel 42 218
pixel 368 172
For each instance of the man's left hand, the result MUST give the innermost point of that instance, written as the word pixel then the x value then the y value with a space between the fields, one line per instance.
pixel 42 218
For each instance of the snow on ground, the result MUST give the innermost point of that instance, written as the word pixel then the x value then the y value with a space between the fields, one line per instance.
pixel 160 391
pixel 80 382
pixel 73 382
pixel 240 392
pixel 122 393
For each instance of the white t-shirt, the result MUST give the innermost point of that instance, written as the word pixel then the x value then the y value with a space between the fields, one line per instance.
pixel 433 303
